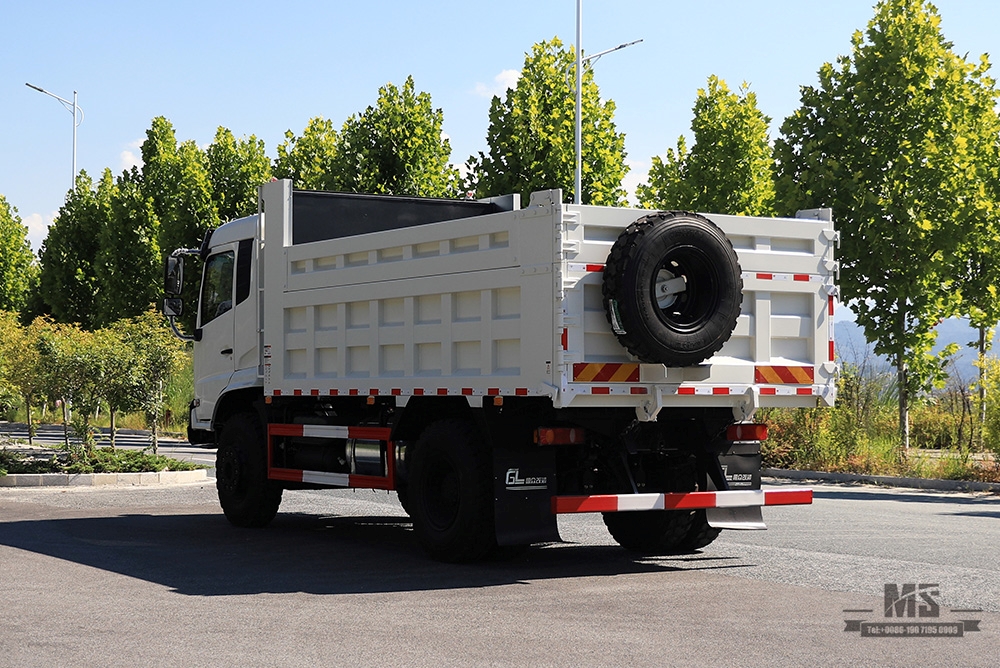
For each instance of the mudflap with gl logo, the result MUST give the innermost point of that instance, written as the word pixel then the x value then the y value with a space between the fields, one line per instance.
pixel 524 482
pixel 740 463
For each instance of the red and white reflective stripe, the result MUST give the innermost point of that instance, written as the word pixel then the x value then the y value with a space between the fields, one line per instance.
pixel 329 431
pixel 584 267
pixel 787 390
pixel 702 390
pixel 612 503
pixel 769 276
pixel 831 310
pixel 415 392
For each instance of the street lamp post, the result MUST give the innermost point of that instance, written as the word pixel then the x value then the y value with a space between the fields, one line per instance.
pixel 580 60
pixel 74 109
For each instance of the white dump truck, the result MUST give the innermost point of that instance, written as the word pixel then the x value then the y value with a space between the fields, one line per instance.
pixel 497 365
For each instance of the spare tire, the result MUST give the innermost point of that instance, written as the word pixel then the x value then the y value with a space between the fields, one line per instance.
pixel 672 288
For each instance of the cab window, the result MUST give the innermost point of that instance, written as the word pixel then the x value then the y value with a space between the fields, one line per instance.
pixel 217 288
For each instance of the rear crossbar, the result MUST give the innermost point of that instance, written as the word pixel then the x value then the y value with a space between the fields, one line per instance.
pixel 611 503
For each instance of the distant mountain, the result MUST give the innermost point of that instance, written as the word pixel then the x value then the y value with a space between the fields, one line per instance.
pixel 850 344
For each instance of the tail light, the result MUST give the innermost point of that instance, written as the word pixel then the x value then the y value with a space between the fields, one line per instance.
pixel 746 431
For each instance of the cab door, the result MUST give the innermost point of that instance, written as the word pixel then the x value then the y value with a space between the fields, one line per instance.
pixel 213 354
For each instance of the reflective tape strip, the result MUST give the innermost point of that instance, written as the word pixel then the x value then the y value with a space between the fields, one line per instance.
pixel 784 375
pixel 770 276
pixel 586 268
pixel 321 478
pixel 639 502
pixel 605 373
pixel 329 431
pixel 786 391
pixel 610 503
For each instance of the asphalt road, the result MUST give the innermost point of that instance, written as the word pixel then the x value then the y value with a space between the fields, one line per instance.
pixel 137 576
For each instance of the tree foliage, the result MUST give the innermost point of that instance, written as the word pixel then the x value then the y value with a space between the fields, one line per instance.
pixel 729 168
pixel 893 139
pixel 68 277
pixel 396 147
pixel 20 371
pixel 308 160
pixel 16 259
pixel 128 257
pixel 235 168
pixel 532 140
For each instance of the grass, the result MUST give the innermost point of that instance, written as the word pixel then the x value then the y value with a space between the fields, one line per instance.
pixel 98 460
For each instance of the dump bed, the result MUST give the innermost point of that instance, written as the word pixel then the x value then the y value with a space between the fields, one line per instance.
pixel 509 303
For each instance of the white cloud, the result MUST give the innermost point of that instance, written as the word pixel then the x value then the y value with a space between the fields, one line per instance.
pixel 638 170
pixel 501 82
pixel 130 157
pixel 38 228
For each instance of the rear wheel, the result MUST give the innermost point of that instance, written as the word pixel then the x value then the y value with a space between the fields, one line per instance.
pixel 650 531
pixel 700 534
pixel 247 497
pixel 664 531
pixel 450 490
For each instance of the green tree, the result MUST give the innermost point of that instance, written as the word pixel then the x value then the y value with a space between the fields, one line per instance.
pixel 16 259
pixel 73 365
pixel 396 147
pixel 531 134
pixel 236 167
pixel 160 167
pixel 729 168
pixel 68 276
pixel 128 259
pixel 309 160
pixel 176 178
pixel 892 140
pixel 20 371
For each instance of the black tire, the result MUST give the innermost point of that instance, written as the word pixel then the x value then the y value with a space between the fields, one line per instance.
pixel 650 531
pixel 664 531
pixel 672 288
pixel 700 535
pixel 450 490
pixel 247 497
pixel 403 495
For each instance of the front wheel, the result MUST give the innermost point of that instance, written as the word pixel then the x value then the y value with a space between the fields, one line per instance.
pixel 450 492
pixel 247 497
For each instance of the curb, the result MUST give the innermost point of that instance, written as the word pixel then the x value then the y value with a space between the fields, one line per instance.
pixel 887 481
pixel 103 479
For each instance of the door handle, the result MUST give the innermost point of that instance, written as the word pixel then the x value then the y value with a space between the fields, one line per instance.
pixel 227 351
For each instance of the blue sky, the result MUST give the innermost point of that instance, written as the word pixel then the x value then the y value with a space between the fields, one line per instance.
pixel 266 67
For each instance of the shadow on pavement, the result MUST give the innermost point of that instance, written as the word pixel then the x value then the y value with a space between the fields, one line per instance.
pixel 203 555
pixel 929 496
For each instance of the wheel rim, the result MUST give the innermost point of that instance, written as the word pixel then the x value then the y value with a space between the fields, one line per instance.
pixel 685 289
pixel 229 471
pixel 443 494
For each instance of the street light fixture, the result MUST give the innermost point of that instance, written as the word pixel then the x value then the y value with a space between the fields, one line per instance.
pixel 580 60
pixel 74 109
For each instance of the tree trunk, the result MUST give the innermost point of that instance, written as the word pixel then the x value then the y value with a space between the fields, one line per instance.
pixel 31 425
pixel 904 404
pixel 982 381
pixel 113 414
pixel 65 412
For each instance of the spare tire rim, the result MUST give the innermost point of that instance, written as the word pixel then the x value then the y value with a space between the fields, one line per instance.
pixel 685 289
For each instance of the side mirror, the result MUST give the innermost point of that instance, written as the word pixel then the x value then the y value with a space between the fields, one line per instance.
pixel 173 276
pixel 173 307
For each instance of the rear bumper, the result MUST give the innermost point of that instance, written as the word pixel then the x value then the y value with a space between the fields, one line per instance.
pixel 611 503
